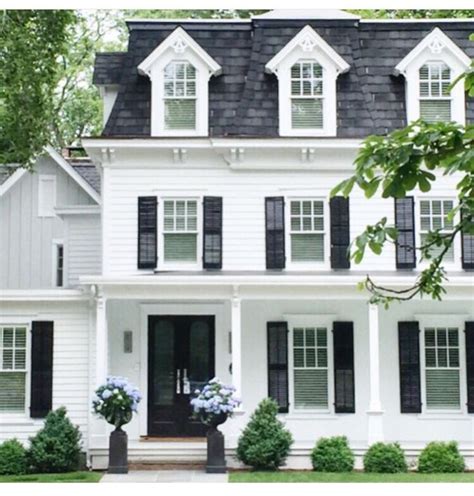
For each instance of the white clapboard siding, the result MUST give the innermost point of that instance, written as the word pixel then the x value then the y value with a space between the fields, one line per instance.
pixel 70 363
pixel 243 195
pixel 83 254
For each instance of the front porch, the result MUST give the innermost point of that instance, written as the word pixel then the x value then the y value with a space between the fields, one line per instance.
pixel 241 312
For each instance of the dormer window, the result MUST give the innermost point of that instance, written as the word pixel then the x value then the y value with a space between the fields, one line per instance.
pixel 306 95
pixel 429 69
pixel 179 70
pixel 307 69
pixel 180 96
pixel 435 98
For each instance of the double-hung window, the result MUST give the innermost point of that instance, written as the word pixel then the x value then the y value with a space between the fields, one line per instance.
pixel 179 96
pixel 306 95
pixel 13 344
pixel 307 230
pixel 310 368
pixel 435 98
pixel 434 217
pixel 442 368
pixel 180 230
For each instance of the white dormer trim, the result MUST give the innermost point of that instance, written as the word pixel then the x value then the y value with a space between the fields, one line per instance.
pixel 179 42
pixel 179 46
pixel 307 45
pixel 436 46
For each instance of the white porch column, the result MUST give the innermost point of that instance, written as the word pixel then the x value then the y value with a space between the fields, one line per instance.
pixel 101 343
pixel 236 329
pixel 375 412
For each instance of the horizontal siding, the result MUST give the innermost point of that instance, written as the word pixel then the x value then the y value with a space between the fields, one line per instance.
pixel 70 363
pixel 83 255
pixel 243 217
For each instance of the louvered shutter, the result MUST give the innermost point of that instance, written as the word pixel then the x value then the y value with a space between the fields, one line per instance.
pixel 275 232
pixel 405 224
pixel 467 243
pixel 212 232
pixel 340 232
pixel 147 232
pixel 41 401
pixel 343 338
pixel 409 360
pixel 435 110
pixel 470 365
pixel 277 351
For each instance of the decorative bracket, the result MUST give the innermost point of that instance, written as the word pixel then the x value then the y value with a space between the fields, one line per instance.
pixel 180 45
pixel 237 154
pixel 436 46
pixel 307 155
pixel 180 155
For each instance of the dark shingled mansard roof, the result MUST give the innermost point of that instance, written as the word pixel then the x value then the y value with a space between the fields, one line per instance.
pixel 243 101
pixel 86 168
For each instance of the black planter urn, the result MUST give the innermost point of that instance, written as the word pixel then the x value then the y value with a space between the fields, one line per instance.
pixel 215 446
pixel 118 452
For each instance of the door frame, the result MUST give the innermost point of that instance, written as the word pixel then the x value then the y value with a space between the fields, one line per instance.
pixel 221 360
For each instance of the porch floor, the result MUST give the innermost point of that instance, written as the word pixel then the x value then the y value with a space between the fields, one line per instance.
pixel 165 476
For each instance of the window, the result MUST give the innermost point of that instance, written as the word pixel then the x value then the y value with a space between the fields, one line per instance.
pixel 180 230
pixel 434 217
pixel 307 230
pixel 435 99
pixel 12 369
pixel 306 95
pixel 442 368
pixel 46 195
pixel 180 96
pixel 59 268
pixel 310 368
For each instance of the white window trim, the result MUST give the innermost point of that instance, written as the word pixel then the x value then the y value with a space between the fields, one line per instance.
pixel 179 46
pixel 307 45
pixel 443 321
pixel 436 46
pixel 54 264
pixel 162 264
pixel 41 211
pixel 15 416
pixel 308 320
pixel 290 265
pixel 457 255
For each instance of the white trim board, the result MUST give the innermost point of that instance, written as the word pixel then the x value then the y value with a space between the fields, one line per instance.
pixel 12 180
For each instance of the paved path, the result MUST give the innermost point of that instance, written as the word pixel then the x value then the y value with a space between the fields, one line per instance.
pixel 165 476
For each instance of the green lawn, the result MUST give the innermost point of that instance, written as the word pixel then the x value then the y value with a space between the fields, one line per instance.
pixel 308 476
pixel 68 477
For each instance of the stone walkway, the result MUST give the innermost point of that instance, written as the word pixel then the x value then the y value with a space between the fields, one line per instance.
pixel 165 476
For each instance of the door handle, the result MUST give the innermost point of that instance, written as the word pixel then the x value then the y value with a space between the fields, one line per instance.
pixel 178 381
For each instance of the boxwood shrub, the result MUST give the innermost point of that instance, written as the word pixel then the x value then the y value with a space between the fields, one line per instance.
pixel 440 457
pixel 12 458
pixel 385 459
pixel 332 454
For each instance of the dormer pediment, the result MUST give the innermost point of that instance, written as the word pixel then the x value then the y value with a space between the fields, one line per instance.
pixel 179 44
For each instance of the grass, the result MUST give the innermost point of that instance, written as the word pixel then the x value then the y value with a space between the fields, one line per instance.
pixel 67 477
pixel 308 476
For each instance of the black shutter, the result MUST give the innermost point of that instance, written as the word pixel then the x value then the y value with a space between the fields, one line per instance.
pixel 275 232
pixel 343 337
pixel 41 401
pixel 409 357
pixel 467 244
pixel 405 224
pixel 470 365
pixel 212 232
pixel 147 232
pixel 340 232
pixel 277 349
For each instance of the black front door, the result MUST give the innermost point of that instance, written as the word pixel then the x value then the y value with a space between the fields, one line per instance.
pixel 180 360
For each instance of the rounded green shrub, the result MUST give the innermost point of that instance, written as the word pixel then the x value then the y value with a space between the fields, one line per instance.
pixel 439 457
pixel 264 443
pixel 385 459
pixel 57 446
pixel 332 454
pixel 12 458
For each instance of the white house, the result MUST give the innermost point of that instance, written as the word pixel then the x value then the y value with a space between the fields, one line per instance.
pixel 213 248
